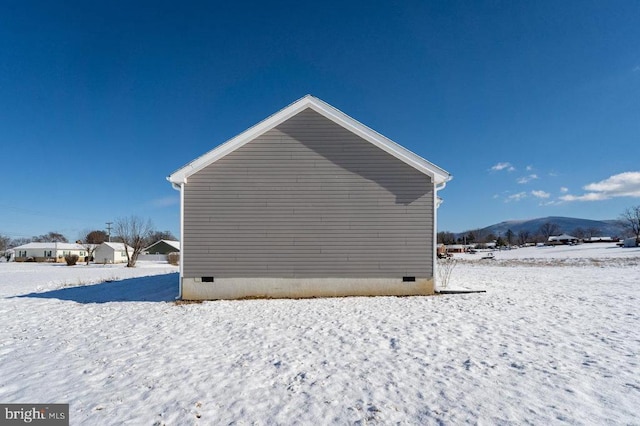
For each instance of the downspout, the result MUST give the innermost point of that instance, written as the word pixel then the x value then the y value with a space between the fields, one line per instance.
pixel 436 204
pixel 180 187
pixel 182 240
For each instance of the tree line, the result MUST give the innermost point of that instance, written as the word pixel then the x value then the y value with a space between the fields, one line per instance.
pixel 629 220
pixel 133 231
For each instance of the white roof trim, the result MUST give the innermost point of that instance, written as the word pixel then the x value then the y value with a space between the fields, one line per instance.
pixel 439 175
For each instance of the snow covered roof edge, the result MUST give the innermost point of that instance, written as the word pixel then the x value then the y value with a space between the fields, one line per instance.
pixel 50 245
pixel 438 174
pixel 116 246
pixel 172 243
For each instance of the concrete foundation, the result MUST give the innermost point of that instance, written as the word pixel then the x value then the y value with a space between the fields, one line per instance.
pixel 281 288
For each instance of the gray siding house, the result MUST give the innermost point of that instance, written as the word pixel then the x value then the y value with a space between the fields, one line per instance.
pixel 308 203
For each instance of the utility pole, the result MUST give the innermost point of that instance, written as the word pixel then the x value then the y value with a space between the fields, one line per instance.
pixel 109 230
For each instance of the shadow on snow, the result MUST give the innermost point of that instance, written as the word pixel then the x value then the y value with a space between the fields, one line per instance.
pixel 156 288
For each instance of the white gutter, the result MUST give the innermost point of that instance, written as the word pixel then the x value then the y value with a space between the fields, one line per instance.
pixel 443 184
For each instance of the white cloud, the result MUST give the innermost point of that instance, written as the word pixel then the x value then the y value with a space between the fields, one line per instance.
pixel 529 168
pixel 516 197
pixel 564 189
pixel 592 196
pixel 503 166
pixel 621 185
pixel 540 194
pixel 527 179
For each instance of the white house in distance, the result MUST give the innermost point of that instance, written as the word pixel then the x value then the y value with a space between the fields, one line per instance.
pixel 48 252
pixel 308 203
pixel 111 253
pixel 563 239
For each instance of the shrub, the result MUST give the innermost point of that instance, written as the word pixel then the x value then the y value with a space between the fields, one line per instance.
pixel 173 258
pixel 71 259
pixel 445 268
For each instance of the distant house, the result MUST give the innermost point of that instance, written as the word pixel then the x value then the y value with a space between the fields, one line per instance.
pixel 599 240
pixel 458 248
pixel 308 203
pixel 563 239
pixel 48 252
pixel 111 253
pixel 163 247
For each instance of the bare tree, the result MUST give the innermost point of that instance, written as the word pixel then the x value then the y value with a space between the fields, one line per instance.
pixel 579 233
pixel 469 238
pixel 630 220
pixel 509 235
pixel 548 229
pixel 134 232
pixel 4 244
pixel 593 232
pixel 446 237
pixel 19 242
pixel 161 235
pixel 479 236
pixel 523 237
pixel 51 237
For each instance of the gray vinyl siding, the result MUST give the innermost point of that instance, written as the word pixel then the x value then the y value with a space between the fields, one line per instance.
pixel 308 199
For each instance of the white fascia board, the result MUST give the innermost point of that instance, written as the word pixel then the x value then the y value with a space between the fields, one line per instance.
pixel 436 173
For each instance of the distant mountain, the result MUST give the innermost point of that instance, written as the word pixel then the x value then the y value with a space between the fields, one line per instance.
pixel 606 228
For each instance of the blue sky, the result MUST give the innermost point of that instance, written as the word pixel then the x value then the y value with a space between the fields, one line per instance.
pixel 534 107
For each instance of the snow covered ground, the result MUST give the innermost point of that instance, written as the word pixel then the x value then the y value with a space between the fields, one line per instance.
pixel 554 340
